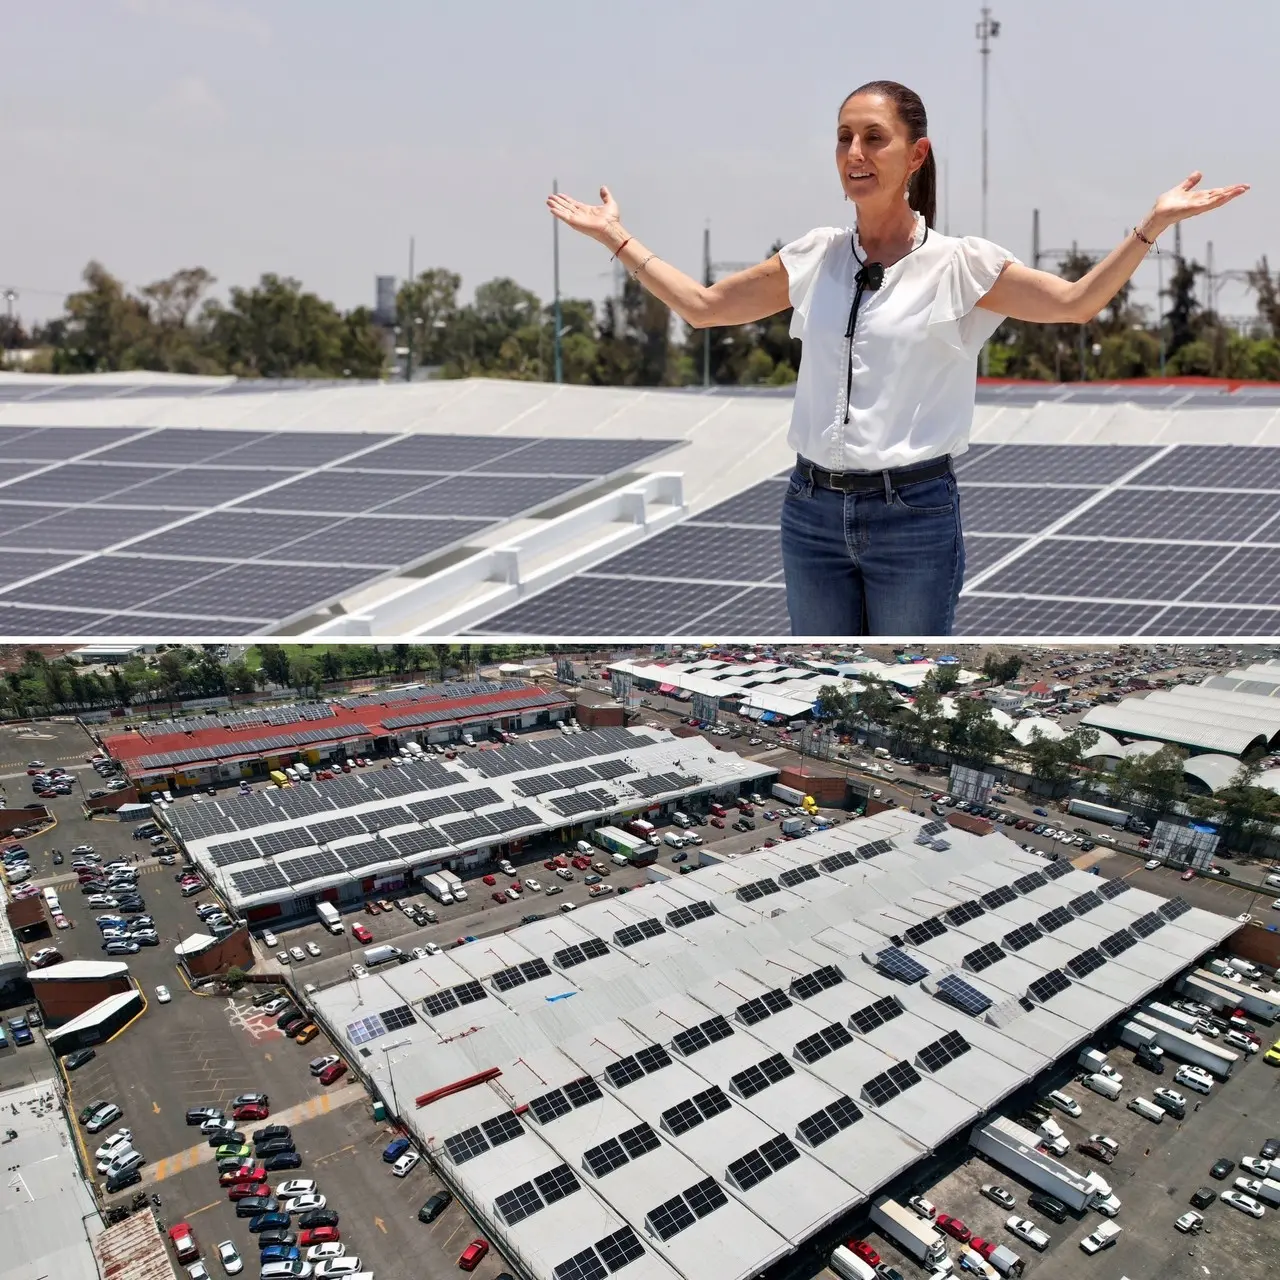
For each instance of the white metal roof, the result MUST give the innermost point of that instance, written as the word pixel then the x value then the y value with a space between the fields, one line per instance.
pixel 1214 771
pixel 95 1017
pixel 78 970
pixel 1134 719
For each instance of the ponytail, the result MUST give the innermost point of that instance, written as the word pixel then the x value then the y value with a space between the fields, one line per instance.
pixel 922 194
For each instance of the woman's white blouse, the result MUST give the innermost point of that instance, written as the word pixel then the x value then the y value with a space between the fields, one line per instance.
pixel 915 348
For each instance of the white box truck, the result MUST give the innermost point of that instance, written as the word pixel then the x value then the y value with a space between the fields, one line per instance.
pixel 439 889
pixel 1102 1237
pixel 794 826
pixel 1005 1261
pixel 912 1234
pixel 1269 1192
pixel 329 916
pixel 788 795
pixel 455 885
pixel 303 771
pixel 1099 812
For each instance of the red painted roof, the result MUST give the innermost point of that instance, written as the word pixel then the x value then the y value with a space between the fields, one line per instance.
pixel 149 741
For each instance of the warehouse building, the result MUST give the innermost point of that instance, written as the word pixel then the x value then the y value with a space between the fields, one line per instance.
pixel 213 750
pixel 275 853
pixel 699 1078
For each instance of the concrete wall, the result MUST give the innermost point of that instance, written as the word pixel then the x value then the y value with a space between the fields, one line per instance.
pixel 233 951
pixel 600 715
pixel 1257 943
pixel 34 816
pixel 63 1000
pixel 826 788
pixel 110 803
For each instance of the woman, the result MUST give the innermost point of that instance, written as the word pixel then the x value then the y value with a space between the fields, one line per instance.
pixel 893 315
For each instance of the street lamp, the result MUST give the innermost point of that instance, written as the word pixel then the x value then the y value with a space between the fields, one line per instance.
pixel 391 1079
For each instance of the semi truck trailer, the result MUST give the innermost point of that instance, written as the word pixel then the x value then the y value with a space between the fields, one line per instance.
pixel 1099 812
pixel 912 1234
pixel 1014 1148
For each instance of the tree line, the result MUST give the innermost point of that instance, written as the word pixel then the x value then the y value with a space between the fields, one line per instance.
pixel 1156 783
pixel 278 329
pixel 40 685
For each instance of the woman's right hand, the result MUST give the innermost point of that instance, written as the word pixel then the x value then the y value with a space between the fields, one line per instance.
pixel 599 221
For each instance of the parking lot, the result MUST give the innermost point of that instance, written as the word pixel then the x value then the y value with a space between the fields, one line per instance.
pixel 1156 1171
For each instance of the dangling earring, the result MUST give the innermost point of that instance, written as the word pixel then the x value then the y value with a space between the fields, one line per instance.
pixel 846 195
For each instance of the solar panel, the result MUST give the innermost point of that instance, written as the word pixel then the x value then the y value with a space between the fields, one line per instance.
pixel 1033 880
pixel 556 1184
pixel 518 1204
pixel 582 1266
pixel 1056 919
pixel 605 1158
pixel 582 1091
pixel 1113 889
pixel 823 1125
pixel 762 1007
pixel 874 849
pixel 258 880
pixel 876 1014
pixel 549 1106
pixel 682 916
pixel 798 875
pixel 758 1077
pixel 503 1128
pixel 517 975
pixel 1174 908
pixel 932 828
pixel 1023 936
pixel 469 992
pixel 705 1197
pixel 1086 962
pixel 335 829
pixel 439 1002
pixel 983 958
pixel 653 1058
pixel 1085 902
pixel 999 897
pixel 633 933
pixel 312 866
pixel 757 889
pixel 1053 982
pixel 832 1037
pixel 965 912
pixel 466 1145
pixel 889 1084
pixel 1145 926
pixel 631 1068
pixel 837 861
pixel 935 1056
pixel 753 1168
pixel 229 852
pixel 808 986
pixel 670 1218
pixel 967 998
pixel 924 931
pixel 274 843
pixel 897 964
pixel 1056 870
pixel 1117 943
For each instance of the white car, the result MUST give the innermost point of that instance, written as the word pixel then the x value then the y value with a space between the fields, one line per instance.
pixel 162 994
pixel 323 1252
pixel 303 1204
pixel 1171 1096
pixel 197 1270
pixel 506 868
pixel 1190 1222
pixel 313 949
pixel 295 1187
pixel 231 1261
pixel 121 1140
pixel 269 939
pixel 282 956
pixel 1275 906
pixel 406 1163
pixel 345 1266
pixel 513 893
pixel 1104 1141
pixel 1246 1204
pixel 108 1163
pixel 1027 1230
pixel 533 884
pixel 278 1005
pixel 297 953
pixel 431 948
pixel 1259 1168
pixel 358 971
pixel 1241 1041
pixel 1152 863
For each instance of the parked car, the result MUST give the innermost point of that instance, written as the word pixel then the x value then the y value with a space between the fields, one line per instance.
pixel 999 1195
pixel 953 1227
pixel 473 1255
pixel 435 1206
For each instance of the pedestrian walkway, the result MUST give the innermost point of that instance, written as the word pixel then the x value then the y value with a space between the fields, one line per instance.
pixel 203 1153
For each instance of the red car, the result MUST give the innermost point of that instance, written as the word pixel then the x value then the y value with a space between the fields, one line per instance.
pixel 360 933
pixel 1188 874
pixel 251 1111
pixel 517 886
pixel 492 880
pixel 498 896
pixel 246 1173
pixel 473 1255
pixel 184 1242
pixel 985 1248
pixel 550 865
pixel 864 1251
pixel 332 1073
pixel 582 864
pixel 718 822
pixel 317 1235
pixel 240 1190
pixel 560 860
pixel 953 1227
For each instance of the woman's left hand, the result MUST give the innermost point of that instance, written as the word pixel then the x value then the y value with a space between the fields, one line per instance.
pixel 1184 201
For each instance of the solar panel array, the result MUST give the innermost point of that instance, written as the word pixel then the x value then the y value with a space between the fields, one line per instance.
pixel 615 1152
pixel 1083 903
pixel 518 974
pixel 1056 870
pixel 935 1056
pixel 897 964
pixel 682 916
pixel 380 1024
pixel 634 1066
pixel 761 1007
pixel 1117 943
pixel 603 1258
pixel 876 1014
pixel 273 744
pixel 579 953
pixel 530 1197
pixel 763 1162
pixel 808 985
pixel 1086 962
pixel 522 757
pixel 548 1106
pixel 694 1111
pixel 983 958
pixel 1000 896
pixel 633 933
pixel 185 531
pixel 681 1212
pixel 483 1137
pixel 1113 888
pixel 924 931
pixel 1060 539
pixel 963 995
pixel 693 1039
pixel 441 1002
pixel 965 912
pixel 593 801
pixel 1021 937
pixel 823 1125
pixel 883 1088
pixel 661 784
pixel 756 889
pixel 760 1075
pixel 1174 908
pixel 1051 984
pixel 798 875
pixel 248 718
pixel 1030 882
pixel 832 1037
pixel 1145 926
pixel 494 708
pixel 1054 920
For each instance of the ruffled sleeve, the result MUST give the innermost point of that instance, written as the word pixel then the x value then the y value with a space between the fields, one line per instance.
pixel 803 260
pixel 955 316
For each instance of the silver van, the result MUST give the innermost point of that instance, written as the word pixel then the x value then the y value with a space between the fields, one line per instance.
pixel 384 954
pixel 1147 1109
pixel 1104 1085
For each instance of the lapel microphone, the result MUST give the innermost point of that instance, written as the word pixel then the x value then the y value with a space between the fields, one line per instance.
pixel 870 276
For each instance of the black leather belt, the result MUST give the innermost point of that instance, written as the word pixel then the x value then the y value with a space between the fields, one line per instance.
pixel 873 481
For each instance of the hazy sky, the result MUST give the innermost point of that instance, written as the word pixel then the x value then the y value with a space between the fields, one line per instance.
pixel 313 137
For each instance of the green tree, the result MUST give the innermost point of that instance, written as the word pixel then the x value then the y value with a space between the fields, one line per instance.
pixel 330 666
pixel 303 675
pixel 1183 315
pixel 278 330
pixel 944 680
pixel 1247 812
pixel 1001 669
pixel 274 662
pixel 427 307
pixel 973 736
pixel 1158 779
pixel 103 322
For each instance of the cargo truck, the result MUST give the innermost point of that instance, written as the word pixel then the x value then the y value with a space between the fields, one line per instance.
pixel 329 916
pixel 1222 993
pixel 1166 1013
pixel 1102 1237
pixel 1005 1261
pixel 1186 1046
pixel 912 1234
pixel 641 829
pixel 439 889
pixel 788 795
pixel 1269 1192
pixel 638 852
pixel 1014 1148
pixel 1099 813
pixel 455 885
pixel 794 826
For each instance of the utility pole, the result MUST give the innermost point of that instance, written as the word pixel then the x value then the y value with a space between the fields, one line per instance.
pixel 555 251
pixel 1035 239
pixel 706 280
pixel 987 30
pixel 10 297
pixel 411 324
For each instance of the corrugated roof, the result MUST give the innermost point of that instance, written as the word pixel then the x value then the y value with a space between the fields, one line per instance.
pixel 134 1250
pixel 78 970
pixel 1133 718
pixel 96 1016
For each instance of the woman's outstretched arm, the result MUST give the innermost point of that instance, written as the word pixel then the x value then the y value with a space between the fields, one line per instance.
pixel 1042 298
pixel 741 298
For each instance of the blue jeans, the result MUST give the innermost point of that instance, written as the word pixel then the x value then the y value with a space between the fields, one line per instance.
pixel 869 565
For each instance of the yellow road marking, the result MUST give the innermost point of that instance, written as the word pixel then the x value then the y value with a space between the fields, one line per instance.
pixel 213 1204
pixel 382 1226
pixel 155 1106
pixel 267 1056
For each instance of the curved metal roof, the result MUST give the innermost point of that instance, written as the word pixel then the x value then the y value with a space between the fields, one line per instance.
pixel 1106 745
pixel 1214 771
pixel 1027 729
pixel 1239 709
pixel 1136 719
